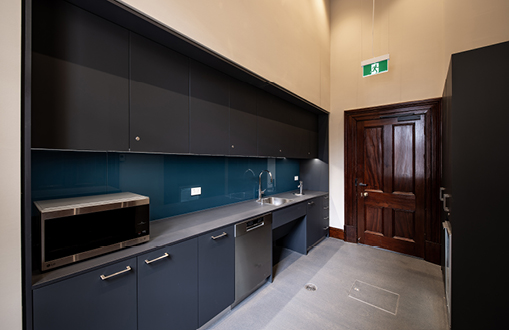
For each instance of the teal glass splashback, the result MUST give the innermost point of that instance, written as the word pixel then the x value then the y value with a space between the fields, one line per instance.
pixel 166 179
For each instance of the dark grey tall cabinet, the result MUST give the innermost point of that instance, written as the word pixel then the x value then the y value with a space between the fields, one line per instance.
pixel 475 176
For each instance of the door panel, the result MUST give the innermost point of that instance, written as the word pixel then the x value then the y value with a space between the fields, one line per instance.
pixel 390 196
pixel 403 175
pixel 374 219
pixel 404 225
pixel 373 173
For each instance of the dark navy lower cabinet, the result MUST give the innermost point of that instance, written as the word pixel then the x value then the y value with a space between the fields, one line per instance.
pixel 216 273
pixel 168 287
pixel 317 223
pixel 103 299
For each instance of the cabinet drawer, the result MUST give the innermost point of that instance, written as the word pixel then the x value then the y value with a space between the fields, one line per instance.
pixel 288 214
pixel 325 203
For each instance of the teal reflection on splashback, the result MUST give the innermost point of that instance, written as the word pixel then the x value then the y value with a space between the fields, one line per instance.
pixel 166 179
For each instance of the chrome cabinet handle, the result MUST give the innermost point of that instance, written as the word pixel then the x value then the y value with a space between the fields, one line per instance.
pixel 365 194
pixel 325 228
pixel 326 207
pixel 446 209
pixel 127 269
pixel 219 236
pixel 441 194
pixel 311 203
pixel 166 255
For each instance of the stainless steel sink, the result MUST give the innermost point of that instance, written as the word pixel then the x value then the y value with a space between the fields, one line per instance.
pixel 274 201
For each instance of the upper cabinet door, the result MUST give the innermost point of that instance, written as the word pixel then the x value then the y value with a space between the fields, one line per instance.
pixel 159 98
pixel 285 130
pixel 273 132
pixel 80 86
pixel 243 119
pixel 209 110
pixel 306 125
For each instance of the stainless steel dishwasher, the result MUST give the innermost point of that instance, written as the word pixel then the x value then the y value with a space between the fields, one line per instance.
pixel 253 255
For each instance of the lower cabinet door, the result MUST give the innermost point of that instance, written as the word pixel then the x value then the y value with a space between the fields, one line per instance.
pixel 216 272
pixel 168 287
pixel 103 299
pixel 315 224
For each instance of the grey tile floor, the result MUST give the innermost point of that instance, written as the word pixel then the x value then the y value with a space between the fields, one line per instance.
pixel 334 266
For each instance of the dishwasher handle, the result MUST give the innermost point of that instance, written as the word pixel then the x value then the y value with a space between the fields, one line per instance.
pixel 255 226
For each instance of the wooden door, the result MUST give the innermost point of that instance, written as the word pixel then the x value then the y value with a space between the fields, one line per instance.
pixel 390 173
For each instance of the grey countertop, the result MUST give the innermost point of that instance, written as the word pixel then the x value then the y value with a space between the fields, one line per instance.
pixel 175 229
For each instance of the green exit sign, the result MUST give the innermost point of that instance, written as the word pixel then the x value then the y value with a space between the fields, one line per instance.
pixel 375 65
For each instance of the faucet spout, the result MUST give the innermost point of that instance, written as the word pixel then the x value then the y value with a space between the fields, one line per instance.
pixel 260 192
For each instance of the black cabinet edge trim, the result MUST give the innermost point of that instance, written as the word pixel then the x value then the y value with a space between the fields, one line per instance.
pixel 26 168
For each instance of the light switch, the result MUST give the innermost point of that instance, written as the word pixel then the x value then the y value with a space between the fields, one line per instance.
pixel 195 191
pixel 296 178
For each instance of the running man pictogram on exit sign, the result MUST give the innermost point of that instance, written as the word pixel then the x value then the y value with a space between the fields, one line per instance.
pixel 375 65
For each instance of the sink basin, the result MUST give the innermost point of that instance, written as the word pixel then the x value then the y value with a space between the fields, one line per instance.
pixel 274 201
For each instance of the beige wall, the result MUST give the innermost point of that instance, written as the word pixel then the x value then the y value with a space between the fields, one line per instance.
pixel 10 196
pixel 285 41
pixel 420 36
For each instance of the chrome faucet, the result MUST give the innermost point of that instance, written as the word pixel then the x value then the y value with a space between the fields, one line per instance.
pixel 301 187
pixel 260 192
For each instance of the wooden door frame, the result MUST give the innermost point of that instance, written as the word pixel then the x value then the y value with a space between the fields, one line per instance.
pixel 431 110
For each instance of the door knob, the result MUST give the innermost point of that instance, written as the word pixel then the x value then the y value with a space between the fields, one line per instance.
pixel 364 194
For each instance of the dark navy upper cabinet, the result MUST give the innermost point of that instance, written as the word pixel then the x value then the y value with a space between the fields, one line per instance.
pixel 243 119
pixel 209 110
pixel 285 130
pixel 102 299
pixel 216 273
pixel 159 111
pixel 80 86
pixel 274 135
pixel 168 287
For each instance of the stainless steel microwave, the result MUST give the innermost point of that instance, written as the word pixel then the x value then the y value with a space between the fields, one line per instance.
pixel 75 229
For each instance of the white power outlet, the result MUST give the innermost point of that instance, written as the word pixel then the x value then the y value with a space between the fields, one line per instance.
pixel 196 191
pixel 296 178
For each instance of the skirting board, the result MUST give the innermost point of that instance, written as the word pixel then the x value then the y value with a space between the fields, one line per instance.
pixel 336 233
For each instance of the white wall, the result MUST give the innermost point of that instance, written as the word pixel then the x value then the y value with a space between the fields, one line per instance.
pixel 285 41
pixel 10 180
pixel 420 36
